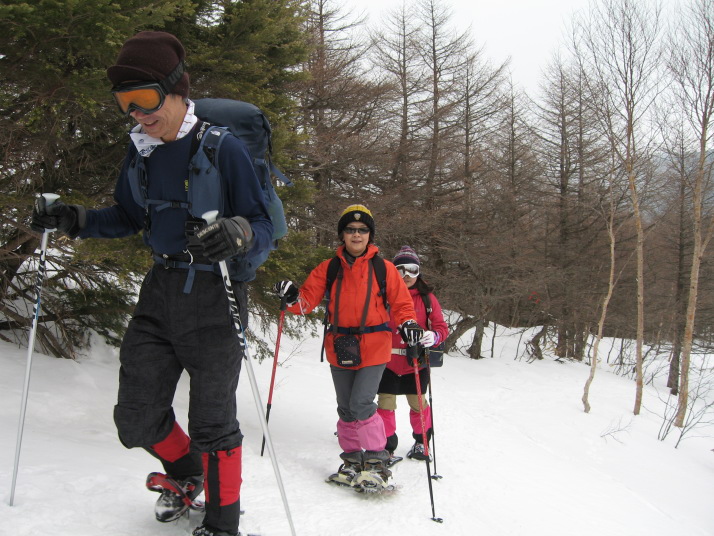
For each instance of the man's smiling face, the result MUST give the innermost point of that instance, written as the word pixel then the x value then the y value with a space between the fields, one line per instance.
pixel 165 122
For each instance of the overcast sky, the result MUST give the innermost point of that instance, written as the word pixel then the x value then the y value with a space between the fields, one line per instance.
pixel 529 31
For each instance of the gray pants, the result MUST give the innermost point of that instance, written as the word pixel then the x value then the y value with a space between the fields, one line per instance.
pixel 356 391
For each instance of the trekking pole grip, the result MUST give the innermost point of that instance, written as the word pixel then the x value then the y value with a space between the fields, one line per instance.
pixel 50 198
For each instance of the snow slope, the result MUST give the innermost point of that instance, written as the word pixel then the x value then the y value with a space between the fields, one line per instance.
pixel 517 454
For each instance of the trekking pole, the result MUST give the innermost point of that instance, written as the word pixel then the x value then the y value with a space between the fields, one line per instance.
pixel 210 217
pixel 435 476
pixel 41 268
pixel 415 363
pixel 283 305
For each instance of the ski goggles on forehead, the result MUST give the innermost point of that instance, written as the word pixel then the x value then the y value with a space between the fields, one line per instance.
pixel 146 96
pixel 412 270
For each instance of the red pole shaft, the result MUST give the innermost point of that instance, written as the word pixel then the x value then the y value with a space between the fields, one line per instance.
pixel 283 305
pixel 277 350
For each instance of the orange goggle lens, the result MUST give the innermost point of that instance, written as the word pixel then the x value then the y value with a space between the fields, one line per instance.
pixel 148 100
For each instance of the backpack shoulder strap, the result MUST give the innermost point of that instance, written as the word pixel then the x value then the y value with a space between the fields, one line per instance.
pixel 332 270
pixel 205 189
pixel 209 139
pixel 426 298
pixel 380 271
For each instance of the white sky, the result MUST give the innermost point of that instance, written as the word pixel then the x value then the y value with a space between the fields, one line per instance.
pixel 528 31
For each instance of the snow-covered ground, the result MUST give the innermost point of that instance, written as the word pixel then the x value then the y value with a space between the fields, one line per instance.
pixel 518 455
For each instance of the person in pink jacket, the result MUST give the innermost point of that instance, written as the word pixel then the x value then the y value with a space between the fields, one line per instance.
pixel 399 378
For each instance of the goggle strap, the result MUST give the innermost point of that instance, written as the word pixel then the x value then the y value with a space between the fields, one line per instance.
pixel 168 83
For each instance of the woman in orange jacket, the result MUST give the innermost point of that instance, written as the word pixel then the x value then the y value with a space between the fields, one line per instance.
pixel 358 342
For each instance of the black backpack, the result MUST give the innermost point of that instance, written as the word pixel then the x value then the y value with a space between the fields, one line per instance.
pixel 246 122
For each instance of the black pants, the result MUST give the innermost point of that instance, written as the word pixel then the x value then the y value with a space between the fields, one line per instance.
pixel 394 384
pixel 170 332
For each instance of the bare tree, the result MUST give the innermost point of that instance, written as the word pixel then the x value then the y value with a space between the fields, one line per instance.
pixel 443 52
pixel 674 244
pixel 396 55
pixel 691 64
pixel 574 155
pixel 610 216
pixel 482 102
pixel 617 46
pixel 338 104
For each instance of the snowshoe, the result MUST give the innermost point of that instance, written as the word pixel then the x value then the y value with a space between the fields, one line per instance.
pixel 417 452
pixel 177 496
pixel 346 474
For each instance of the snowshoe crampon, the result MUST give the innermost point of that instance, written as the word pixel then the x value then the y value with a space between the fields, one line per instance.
pixel 372 482
pixel 365 482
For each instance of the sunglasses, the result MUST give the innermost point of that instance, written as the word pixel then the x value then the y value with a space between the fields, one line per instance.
pixel 146 96
pixel 353 230
pixel 412 270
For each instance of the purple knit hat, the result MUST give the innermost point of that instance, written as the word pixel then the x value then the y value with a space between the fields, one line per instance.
pixel 151 57
pixel 406 255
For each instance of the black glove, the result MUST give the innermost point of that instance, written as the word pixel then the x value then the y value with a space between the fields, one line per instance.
pixel 68 219
pixel 417 352
pixel 225 238
pixel 288 290
pixel 411 332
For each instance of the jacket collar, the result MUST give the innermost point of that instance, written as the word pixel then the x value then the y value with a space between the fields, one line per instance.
pixel 370 252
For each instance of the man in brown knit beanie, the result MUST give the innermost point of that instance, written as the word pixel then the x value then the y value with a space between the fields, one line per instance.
pixel 151 84
pixel 182 318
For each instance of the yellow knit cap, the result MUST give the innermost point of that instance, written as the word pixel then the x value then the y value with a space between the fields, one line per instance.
pixel 356 213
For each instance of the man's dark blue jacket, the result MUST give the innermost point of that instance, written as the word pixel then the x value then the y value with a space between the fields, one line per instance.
pixel 168 175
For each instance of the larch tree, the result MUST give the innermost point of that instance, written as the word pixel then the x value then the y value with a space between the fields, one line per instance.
pixel 338 102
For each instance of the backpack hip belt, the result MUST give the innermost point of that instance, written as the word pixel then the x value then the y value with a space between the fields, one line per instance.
pixel 168 262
